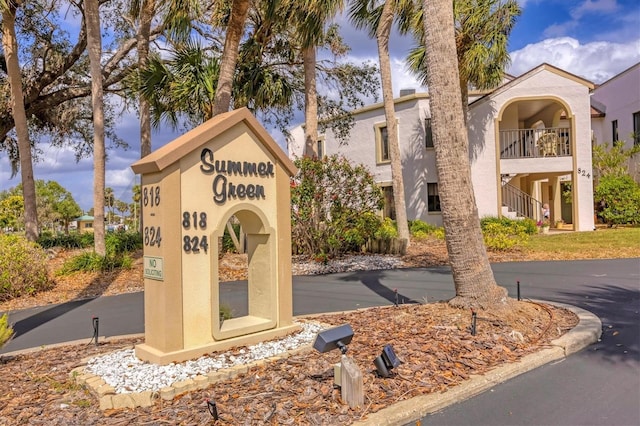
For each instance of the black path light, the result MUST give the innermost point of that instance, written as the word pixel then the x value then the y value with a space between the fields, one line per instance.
pixel 95 321
pixel 213 409
pixel 386 361
pixel 334 338
pixel 474 317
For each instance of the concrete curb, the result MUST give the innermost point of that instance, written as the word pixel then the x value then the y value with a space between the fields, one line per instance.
pixel 588 331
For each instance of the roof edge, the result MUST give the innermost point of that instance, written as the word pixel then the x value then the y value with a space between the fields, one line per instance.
pixel 171 152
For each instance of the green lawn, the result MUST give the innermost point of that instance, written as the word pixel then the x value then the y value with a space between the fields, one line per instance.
pixel 602 243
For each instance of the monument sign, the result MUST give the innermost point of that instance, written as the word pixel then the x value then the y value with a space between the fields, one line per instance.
pixel 228 166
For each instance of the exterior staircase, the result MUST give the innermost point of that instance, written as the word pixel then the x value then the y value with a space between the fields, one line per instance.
pixel 517 204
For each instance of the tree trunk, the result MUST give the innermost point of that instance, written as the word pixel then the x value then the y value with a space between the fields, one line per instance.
pixel 382 36
pixel 144 30
pixel 474 281
pixel 94 44
pixel 10 46
pixel 310 103
pixel 222 98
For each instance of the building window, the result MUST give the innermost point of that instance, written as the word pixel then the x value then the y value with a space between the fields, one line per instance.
pixel 433 198
pixel 320 149
pixel 614 131
pixel 636 128
pixel 428 135
pixel 382 144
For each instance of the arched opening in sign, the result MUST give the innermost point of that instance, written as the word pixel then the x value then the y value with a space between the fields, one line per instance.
pixel 257 297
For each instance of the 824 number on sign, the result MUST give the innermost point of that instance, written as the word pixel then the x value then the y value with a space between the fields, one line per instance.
pixel 152 236
pixel 195 244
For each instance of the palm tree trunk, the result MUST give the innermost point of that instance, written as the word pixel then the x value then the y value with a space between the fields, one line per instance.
pixel 382 36
pixel 310 103
pixel 472 275
pixel 222 99
pixel 94 44
pixel 10 46
pixel 144 30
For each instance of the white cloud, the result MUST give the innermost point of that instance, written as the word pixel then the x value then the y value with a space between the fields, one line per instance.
pixel 595 61
pixel 597 6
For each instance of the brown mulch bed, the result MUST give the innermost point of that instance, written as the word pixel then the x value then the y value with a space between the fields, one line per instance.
pixel 433 341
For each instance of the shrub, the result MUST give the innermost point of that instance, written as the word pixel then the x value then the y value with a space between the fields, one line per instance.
pixel 621 196
pixel 118 243
pixel 22 267
pixel 504 233
pixel 387 230
pixel 227 242
pixel 334 206
pixel 93 262
pixel 70 241
pixel 6 331
pixel 421 229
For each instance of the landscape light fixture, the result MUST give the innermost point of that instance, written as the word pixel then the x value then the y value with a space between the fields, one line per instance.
pixel 386 361
pixel 213 409
pixel 334 338
pixel 95 321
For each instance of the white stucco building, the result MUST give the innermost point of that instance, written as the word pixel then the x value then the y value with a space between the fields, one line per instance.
pixel 529 140
pixel 618 102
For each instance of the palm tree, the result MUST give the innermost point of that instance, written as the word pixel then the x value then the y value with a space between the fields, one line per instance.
pixel 10 47
pixel 482 29
pixel 312 16
pixel 182 86
pixel 144 12
pixel 94 44
pixel 379 20
pixel 235 28
pixel 472 275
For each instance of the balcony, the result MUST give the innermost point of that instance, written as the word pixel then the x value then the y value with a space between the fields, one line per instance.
pixel 535 143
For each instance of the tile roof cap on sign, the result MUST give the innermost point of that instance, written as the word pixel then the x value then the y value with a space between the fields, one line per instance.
pixel 161 158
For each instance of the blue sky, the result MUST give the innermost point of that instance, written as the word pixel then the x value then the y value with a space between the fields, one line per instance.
pixel 594 39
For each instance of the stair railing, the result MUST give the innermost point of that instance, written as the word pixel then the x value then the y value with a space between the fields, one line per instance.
pixel 520 202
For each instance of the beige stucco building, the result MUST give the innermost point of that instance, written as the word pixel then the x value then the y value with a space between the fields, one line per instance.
pixel 530 144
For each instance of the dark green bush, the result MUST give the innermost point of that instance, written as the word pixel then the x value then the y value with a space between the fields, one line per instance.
pixel 93 262
pixel 71 241
pixel 621 196
pixel 119 245
pixel 22 267
pixel 122 242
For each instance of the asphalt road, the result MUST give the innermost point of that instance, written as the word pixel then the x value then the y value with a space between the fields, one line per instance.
pixel 599 386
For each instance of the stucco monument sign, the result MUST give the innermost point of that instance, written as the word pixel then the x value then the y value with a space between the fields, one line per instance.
pixel 228 166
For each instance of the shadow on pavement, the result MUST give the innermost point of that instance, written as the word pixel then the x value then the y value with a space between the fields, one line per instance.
pixel 371 280
pixel 619 310
pixel 25 325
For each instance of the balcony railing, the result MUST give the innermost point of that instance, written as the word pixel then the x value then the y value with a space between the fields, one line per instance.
pixel 535 143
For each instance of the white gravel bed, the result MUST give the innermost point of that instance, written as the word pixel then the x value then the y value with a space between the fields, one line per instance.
pixel 126 373
pixel 347 264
